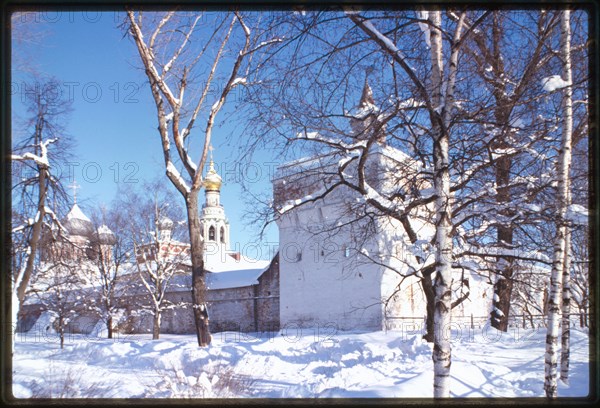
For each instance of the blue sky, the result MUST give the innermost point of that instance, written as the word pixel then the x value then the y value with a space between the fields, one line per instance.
pixel 113 120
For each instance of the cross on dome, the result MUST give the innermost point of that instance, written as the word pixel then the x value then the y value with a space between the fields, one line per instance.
pixel 75 187
pixel 212 181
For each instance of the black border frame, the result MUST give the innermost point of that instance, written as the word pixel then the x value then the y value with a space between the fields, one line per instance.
pixel 8 6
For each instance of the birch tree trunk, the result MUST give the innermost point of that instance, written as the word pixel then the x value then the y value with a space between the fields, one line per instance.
pixel 566 312
pixel 443 279
pixel 560 243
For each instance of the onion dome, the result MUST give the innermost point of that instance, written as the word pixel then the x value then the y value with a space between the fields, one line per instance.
pixel 165 223
pixel 106 236
pixel 212 181
pixel 77 223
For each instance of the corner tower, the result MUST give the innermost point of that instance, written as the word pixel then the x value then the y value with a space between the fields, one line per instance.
pixel 365 119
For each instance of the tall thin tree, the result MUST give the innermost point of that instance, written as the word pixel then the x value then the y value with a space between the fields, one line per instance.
pixel 561 239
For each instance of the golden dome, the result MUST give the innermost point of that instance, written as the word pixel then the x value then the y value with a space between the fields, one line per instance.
pixel 212 181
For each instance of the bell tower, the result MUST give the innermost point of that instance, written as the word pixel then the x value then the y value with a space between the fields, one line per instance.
pixel 214 225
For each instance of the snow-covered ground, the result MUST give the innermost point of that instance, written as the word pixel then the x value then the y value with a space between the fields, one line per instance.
pixel 310 363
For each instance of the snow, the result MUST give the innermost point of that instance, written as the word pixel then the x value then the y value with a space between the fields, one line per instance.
pixel 424 15
pixel 175 173
pixel 308 135
pixel 237 81
pixel 365 110
pixel 225 271
pixel 292 363
pixel 383 39
pixel 103 229
pixel 233 279
pixel 410 103
pixel 77 214
pixel 577 214
pixel 553 83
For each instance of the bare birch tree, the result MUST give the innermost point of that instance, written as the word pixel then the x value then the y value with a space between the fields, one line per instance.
pixel 560 243
pixel 438 96
pixel 35 189
pixel 186 57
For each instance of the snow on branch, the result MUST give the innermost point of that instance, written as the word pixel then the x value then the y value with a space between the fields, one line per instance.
pixel 495 251
pixel 265 44
pixel 41 160
pixel 554 82
pixel 424 15
pixel 239 81
pixel 577 214
pixel 317 137
pixel 176 178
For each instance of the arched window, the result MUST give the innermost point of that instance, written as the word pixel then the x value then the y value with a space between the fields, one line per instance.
pixel 211 233
pixel 222 235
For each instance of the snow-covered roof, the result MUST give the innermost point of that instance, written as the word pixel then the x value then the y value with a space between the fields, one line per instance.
pixel 103 229
pixel 234 279
pixel 165 223
pixel 77 214
pixel 226 269
pixel 106 236
pixel 226 261
pixel 225 272
pixel 232 270
pixel 77 223
pixel 332 158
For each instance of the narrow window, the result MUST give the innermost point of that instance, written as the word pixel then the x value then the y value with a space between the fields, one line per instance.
pixel 211 233
pixel 222 235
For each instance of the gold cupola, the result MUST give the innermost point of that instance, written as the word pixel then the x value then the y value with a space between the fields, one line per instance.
pixel 212 181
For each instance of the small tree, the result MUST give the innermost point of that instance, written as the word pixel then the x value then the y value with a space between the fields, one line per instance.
pixel 110 254
pixel 157 265
pixel 60 286
pixel 143 225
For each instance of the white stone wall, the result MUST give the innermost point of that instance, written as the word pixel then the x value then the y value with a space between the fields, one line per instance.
pixel 322 278
pixel 344 288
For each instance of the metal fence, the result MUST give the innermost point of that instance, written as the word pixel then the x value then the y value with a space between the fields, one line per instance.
pixel 525 321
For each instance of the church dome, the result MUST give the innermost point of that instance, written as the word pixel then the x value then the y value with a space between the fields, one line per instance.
pixel 106 236
pixel 77 223
pixel 165 223
pixel 212 181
